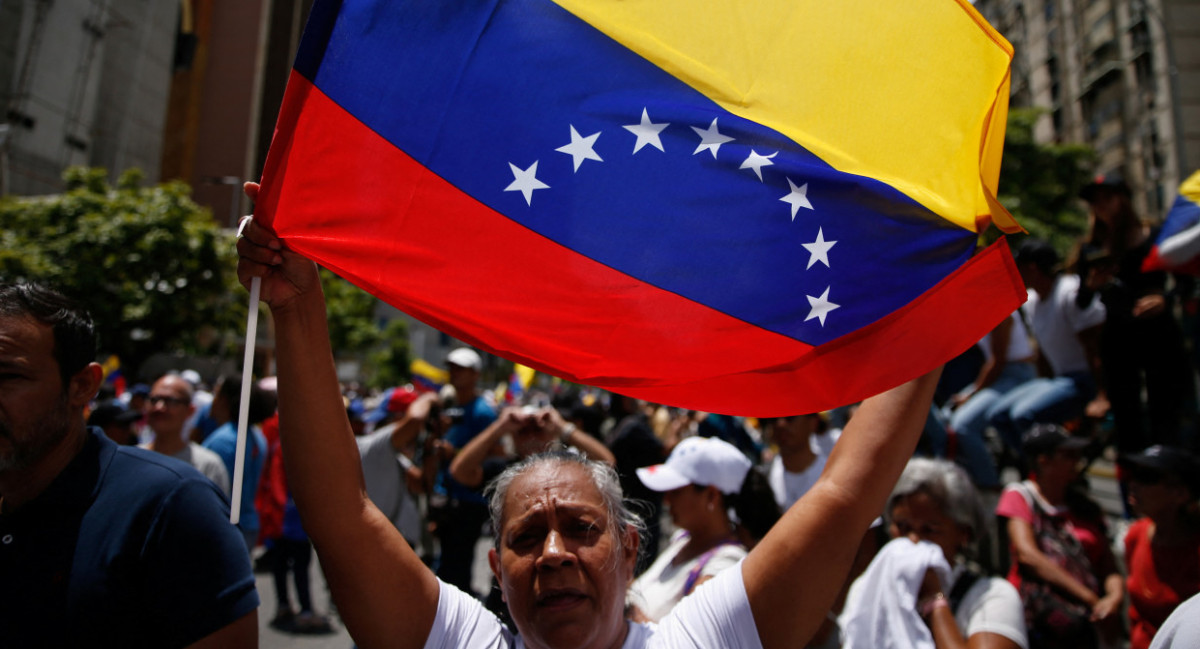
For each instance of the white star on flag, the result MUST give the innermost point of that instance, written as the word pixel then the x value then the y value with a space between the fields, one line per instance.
pixel 647 133
pixel 710 139
pixel 757 161
pixel 797 198
pixel 525 181
pixel 821 306
pixel 580 148
pixel 819 250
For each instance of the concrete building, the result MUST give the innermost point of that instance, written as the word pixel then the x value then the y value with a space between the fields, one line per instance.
pixel 182 89
pixel 225 95
pixel 82 82
pixel 1120 75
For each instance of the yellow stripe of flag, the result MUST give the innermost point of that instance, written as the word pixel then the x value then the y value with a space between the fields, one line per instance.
pixel 889 90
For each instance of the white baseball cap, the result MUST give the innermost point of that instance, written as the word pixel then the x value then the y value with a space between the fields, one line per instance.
pixel 465 357
pixel 699 460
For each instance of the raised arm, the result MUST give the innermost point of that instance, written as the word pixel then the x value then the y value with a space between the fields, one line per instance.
pixel 372 571
pixel 804 559
pixel 410 425
pixel 993 366
pixel 593 448
pixel 467 467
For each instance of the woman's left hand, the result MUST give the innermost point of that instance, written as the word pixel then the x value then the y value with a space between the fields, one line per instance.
pixel 1106 607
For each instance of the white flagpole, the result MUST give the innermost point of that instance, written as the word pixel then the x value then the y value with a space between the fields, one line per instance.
pixel 239 468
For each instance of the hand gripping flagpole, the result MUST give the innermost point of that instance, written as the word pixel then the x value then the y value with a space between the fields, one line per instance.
pixel 239 467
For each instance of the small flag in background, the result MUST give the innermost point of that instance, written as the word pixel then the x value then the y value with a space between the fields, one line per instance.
pixel 111 369
pixel 1177 248
pixel 427 377
pixel 759 208
pixel 519 382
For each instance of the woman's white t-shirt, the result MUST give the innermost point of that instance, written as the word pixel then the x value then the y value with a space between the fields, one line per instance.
pixel 657 590
pixel 716 614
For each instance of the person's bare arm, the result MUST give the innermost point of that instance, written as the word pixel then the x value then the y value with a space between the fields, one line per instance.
pixel 1090 339
pixel 994 365
pixel 943 626
pixel 1026 553
pixel 323 463
pixel 467 467
pixel 805 558
pixel 588 445
pixel 409 426
pixel 242 633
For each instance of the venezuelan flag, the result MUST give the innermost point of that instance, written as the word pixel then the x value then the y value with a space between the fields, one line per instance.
pixel 111 369
pixel 750 208
pixel 426 376
pixel 1177 247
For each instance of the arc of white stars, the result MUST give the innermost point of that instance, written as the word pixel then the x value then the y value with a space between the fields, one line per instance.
pixel 818 250
pixel 757 161
pixel 821 306
pixel 797 198
pixel 710 139
pixel 581 148
pixel 525 181
pixel 647 132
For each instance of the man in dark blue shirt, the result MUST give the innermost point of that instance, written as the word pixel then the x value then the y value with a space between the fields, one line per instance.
pixel 101 545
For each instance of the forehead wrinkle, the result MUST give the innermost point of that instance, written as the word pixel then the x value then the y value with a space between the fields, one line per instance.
pixel 546 501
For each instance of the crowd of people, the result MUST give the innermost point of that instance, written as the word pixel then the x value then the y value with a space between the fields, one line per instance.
pixel 612 522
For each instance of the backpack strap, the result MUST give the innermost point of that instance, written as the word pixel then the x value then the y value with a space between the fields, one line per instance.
pixel 694 573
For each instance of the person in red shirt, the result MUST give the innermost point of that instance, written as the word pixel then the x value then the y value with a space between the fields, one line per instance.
pixel 1162 549
pixel 1061 561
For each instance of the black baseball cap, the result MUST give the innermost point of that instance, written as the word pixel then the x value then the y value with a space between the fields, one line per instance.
pixel 1111 182
pixel 1167 460
pixel 1042 439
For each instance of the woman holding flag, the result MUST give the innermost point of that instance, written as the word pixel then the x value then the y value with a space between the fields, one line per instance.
pixel 566 544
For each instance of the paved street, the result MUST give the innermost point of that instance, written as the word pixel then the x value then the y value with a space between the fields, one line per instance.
pixel 270 638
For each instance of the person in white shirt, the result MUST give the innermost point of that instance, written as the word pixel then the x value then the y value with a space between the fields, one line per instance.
pixel 565 543
pixel 930 592
pixel 169 407
pixel 1068 338
pixel 803 445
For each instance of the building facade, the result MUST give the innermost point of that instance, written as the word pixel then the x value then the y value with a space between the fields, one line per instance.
pixel 82 82
pixel 1122 76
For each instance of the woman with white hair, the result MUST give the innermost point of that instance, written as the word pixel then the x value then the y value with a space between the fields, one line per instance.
pixel 935 516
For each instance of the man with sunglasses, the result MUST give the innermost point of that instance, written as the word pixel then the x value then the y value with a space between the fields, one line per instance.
pixel 167 411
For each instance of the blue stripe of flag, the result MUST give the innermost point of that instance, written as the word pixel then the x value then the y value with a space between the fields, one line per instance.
pixel 469 90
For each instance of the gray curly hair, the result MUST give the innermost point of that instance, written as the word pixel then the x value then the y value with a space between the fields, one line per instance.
pixel 948 485
pixel 620 514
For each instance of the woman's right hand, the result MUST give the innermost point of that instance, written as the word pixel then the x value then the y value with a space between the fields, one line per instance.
pixel 286 275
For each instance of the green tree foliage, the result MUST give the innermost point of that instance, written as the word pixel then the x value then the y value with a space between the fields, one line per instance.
pixel 388 365
pixel 351 313
pixel 354 332
pixel 150 264
pixel 1039 183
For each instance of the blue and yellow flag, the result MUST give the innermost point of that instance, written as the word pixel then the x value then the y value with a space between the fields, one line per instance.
pixel 749 208
pixel 1177 247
